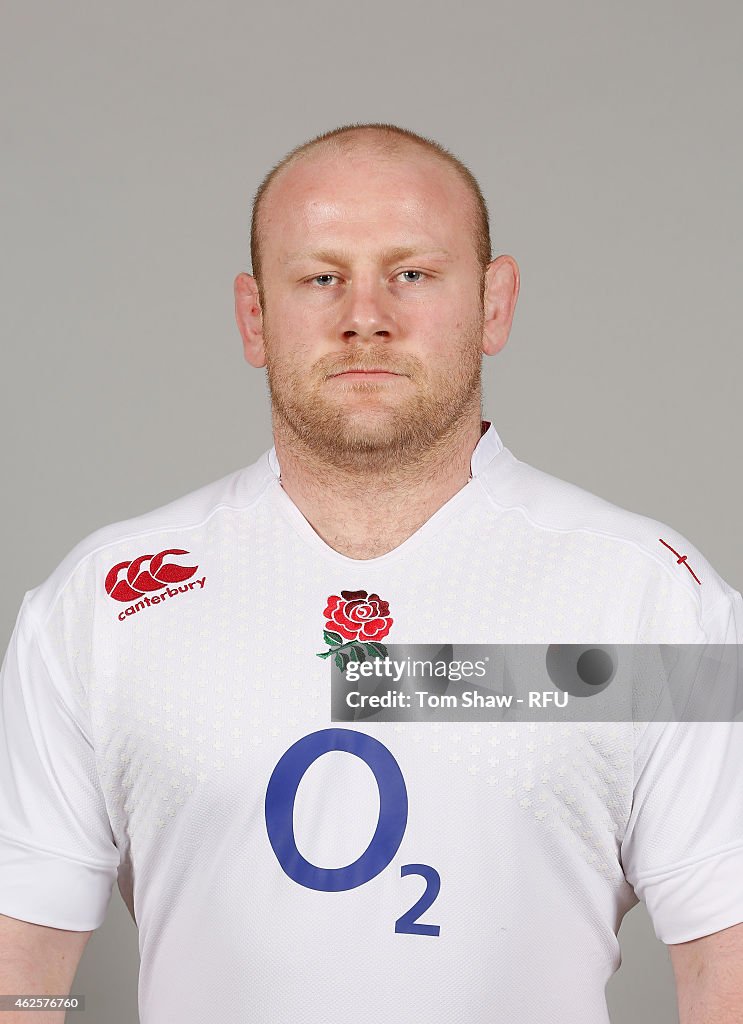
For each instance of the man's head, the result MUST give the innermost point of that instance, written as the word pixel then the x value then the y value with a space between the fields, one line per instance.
pixel 371 250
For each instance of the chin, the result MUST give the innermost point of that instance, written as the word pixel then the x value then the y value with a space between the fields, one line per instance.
pixel 353 429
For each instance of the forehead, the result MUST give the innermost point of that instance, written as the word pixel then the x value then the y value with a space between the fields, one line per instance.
pixel 363 195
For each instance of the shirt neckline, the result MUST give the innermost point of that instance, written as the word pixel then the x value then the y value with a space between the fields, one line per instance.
pixel 485 451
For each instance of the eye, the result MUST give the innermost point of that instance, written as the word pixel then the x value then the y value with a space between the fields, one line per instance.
pixel 323 280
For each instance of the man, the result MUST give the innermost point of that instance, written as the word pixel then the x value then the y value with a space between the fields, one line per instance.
pixel 166 714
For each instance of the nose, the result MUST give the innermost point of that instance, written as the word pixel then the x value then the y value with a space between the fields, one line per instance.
pixel 366 313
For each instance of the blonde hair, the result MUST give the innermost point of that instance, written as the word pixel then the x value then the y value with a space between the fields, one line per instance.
pixel 386 139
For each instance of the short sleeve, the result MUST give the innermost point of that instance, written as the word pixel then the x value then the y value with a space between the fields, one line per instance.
pixel 58 857
pixel 682 850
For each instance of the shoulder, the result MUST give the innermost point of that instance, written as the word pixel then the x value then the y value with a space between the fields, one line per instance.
pixel 99 561
pixel 654 557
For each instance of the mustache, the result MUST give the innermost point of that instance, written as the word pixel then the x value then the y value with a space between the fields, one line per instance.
pixel 368 361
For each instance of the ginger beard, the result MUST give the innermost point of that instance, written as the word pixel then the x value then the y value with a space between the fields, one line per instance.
pixel 362 425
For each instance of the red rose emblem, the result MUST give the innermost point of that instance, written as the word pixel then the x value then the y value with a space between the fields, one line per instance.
pixel 357 615
pixel 355 623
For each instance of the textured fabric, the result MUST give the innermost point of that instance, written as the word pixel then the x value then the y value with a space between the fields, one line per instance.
pixel 165 726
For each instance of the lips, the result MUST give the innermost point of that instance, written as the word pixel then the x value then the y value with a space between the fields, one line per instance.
pixel 342 373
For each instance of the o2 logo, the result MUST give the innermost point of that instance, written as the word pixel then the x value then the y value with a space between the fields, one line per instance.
pixel 393 818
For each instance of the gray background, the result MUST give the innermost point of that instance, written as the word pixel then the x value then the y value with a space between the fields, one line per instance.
pixel 607 143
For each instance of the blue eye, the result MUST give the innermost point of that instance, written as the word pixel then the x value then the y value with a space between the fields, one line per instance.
pixel 325 279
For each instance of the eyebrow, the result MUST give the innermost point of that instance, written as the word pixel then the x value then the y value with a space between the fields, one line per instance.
pixel 399 252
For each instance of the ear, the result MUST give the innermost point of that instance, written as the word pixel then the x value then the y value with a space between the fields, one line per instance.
pixel 502 280
pixel 249 318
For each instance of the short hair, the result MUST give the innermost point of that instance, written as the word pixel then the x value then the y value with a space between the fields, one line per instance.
pixel 387 139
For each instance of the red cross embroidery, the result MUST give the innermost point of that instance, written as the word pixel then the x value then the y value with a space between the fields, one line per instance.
pixel 681 560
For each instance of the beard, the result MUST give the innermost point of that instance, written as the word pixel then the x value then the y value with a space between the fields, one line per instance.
pixel 360 425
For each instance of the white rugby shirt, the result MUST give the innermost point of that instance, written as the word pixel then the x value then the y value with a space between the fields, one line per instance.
pixel 393 872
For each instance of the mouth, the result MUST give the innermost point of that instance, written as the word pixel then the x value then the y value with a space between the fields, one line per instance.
pixel 374 373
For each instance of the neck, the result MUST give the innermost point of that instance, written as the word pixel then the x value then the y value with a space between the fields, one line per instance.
pixel 362 511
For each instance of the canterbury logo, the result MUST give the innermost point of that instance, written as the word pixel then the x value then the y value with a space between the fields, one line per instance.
pixel 146 574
